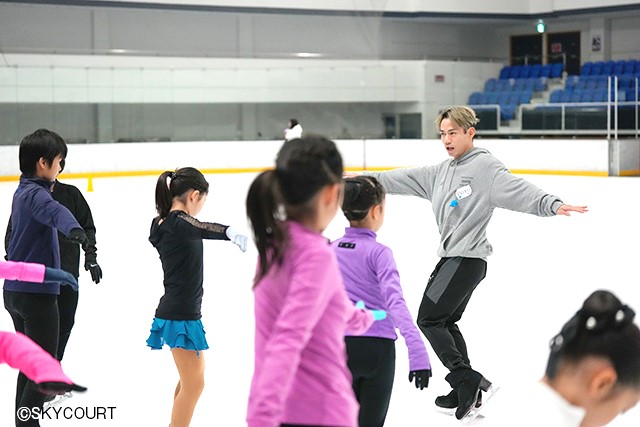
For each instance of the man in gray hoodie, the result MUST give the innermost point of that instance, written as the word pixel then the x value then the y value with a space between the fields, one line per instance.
pixel 463 191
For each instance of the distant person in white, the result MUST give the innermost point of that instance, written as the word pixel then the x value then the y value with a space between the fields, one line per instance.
pixel 293 131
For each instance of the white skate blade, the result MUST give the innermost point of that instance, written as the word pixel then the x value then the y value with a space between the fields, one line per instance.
pixel 58 400
pixel 445 411
pixel 474 413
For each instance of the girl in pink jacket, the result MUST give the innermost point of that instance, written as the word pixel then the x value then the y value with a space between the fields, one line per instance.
pixel 301 308
pixel 19 351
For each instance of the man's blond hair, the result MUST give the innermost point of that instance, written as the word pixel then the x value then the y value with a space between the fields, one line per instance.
pixel 460 115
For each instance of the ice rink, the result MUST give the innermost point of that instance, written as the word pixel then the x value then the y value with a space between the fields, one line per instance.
pixel 541 271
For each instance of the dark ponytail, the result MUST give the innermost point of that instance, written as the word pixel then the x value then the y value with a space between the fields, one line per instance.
pixel 303 167
pixel 360 194
pixel 603 327
pixel 263 203
pixel 176 184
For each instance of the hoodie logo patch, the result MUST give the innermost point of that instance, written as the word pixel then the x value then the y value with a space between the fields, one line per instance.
pixel 463 192
pixel 347 245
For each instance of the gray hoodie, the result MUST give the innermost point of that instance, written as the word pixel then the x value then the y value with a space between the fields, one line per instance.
pixel 463 193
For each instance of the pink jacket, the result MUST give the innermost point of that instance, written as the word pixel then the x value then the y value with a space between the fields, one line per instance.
pixel 301 314
pixel 20 352
pixel 23 271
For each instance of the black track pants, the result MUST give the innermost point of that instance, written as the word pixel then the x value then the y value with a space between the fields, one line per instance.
pixel 67 305
pixel 445 299
pixel 36 316
pixel 372 362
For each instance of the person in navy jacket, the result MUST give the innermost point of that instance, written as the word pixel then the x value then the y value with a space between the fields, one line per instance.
pixel 36 219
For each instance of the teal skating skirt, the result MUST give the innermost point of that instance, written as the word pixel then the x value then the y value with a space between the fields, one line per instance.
pixel 187 334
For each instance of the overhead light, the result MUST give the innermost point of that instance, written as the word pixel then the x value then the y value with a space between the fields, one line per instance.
pixel 308 55
pixel 117 50
pixel 540 27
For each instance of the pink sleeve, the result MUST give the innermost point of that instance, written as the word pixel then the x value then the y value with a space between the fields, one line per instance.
pixel 24 271
pixel 20 352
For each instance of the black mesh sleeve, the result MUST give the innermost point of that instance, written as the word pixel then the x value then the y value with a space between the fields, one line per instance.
pixel 206 230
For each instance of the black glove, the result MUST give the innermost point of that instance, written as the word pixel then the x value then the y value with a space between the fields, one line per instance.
pixel 57 387
pixel 422 378
pixel 77 235
pixel 94 268
pixel 56 275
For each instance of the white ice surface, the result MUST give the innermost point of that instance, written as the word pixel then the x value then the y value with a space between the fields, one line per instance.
pixel 539 274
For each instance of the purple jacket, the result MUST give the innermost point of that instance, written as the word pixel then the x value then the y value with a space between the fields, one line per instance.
pixel 370 274
pixel 301 314
pixel 36 219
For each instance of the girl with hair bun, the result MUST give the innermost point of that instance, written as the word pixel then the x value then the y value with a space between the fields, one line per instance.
pixel 370 275
pixel 177 235
pixel 593 371
pixel 301 308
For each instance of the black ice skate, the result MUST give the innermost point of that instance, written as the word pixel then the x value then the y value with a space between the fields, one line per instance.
pixel 449 402
pixel 469 388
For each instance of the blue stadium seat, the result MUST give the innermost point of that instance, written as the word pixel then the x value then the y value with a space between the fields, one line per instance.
pixel 618 67
pixel 596 68
pixel 529 84
pixel 515 71
pixel 474 98
pixel 587 95
pixel 535 70
pixel 539 84
pixel 556 70
pixel 586 68
pixel 518 84
pixel 507 112
pixel 600 95
pixel 505 71
pixel 629 67
pixel 575 96
pixel 546 70
pixel 626 81
pixel 555 97
pixel 525 97
pixel 503 85
pixel 492 97
pixel 490 85
pixel 572 81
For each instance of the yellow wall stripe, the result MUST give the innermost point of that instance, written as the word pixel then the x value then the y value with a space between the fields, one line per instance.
pixel 116 174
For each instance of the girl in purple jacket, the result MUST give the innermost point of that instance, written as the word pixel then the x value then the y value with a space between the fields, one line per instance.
pixel 301 308
pixel 370 275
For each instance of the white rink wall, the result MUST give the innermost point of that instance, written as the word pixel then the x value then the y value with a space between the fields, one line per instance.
pixel 555 156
